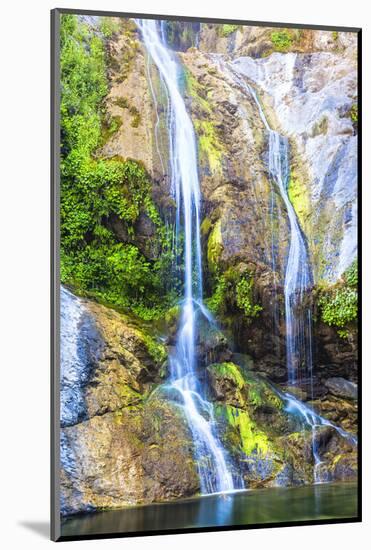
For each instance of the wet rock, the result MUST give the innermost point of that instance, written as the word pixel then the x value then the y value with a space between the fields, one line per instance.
pixel 343 413
pixel 134 444
pixel 212 343
pixel 309 97
pixel 297 392
pixel 342 388
pixel 136 455
pixel 270 367
pixel 345 468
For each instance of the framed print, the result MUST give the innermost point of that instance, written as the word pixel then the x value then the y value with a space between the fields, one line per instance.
pixel 205 274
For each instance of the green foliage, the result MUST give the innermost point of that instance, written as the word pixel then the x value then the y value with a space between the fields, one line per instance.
pixel 340 308
pixel 335 35
pixel 217 302
pixel 244 297
pixel 351 274
pixel 226 30
pixel 282 40
pixel 339 304
pixel 100 194
pixel 234 290
pixel 109 128
pixel 108 26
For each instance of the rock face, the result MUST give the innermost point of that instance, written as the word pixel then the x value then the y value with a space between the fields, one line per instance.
pixel 269 445
pixel 133 445
pixel 310 99
pixel 342 388
pixel 130 446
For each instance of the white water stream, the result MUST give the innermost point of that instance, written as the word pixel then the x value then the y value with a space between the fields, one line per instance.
pixel 212 460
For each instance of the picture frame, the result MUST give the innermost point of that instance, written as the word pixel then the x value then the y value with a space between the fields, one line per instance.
pixel 57 533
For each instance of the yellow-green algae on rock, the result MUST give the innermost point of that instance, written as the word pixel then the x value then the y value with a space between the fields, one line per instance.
pixel 242 393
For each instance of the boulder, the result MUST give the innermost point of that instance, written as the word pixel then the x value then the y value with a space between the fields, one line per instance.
pixel 342 388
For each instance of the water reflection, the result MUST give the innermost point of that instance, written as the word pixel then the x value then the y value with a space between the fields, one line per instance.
pixel 325 501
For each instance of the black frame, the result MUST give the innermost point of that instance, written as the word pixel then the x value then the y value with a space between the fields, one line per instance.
pixel 55 273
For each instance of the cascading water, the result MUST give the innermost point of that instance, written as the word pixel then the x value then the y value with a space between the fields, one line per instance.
pixel 297 282
pixel 298 277
pixel 211 458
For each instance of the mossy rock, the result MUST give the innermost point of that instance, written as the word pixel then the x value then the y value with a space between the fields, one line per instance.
pixel 241 387
pixel 215 247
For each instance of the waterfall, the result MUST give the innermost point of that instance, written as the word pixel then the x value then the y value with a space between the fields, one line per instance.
pixel 297 282
pixel 212 460
pixel 298 276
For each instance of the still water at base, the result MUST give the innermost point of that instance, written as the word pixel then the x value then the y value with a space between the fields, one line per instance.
pixel 313 502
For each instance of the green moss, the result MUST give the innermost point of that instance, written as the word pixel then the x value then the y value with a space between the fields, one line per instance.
pixel 135 117
pixel 128 395
pixel 230 370
pixel 335 35
pixel 209 145
pixel 299 197
pixel 215 247
pixel 252 439
pixel 110 128
pixel 128 56
pixel 206 227
pixel 210 148
pixel 123 103
pixel 282 40
pixel 226 30
pixel 254 391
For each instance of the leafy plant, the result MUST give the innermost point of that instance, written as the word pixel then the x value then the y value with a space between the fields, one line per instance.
pixel 339 305
pixel 226 30
pixel 216 303
pixel 282 40
pixel 103 199
pixel 351 274
pixel 234 290
pixel 244 297
pixel 108 26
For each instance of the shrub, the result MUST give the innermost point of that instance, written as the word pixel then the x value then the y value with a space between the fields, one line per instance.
pixel 96 191
pixel 234 290
pixel 226 30
pixel 339 305
pixel 244 296
pixel 282 40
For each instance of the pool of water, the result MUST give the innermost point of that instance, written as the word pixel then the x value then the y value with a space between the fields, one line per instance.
pixel 275 505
